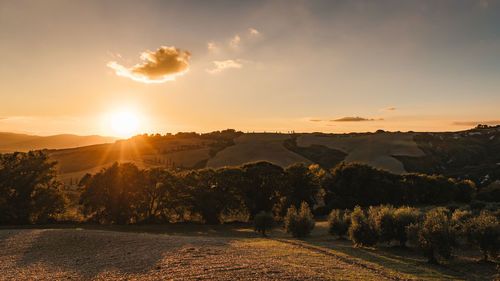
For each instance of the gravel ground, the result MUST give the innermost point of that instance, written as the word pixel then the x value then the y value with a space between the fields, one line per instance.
pixel 62 254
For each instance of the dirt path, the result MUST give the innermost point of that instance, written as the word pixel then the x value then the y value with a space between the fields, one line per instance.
pixel 64 254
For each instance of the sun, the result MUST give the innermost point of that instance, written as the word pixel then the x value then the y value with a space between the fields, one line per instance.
pixel 124 124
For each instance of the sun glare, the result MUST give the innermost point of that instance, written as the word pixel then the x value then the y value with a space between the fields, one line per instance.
pixel 124 124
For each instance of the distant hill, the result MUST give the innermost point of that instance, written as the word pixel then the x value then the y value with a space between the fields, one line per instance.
pixel 10 142
pixel 472 154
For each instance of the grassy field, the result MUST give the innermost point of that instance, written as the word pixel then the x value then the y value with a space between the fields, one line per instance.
pixel 225 252
pixel 374 149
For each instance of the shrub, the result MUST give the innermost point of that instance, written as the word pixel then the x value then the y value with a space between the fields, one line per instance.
pixel 381 219
pixel 436 235
pixel 403 217
pixel 490 193
pixel 484 231
pixel 339 222
pixel 360 231
pixel 263 222
pixel 301 223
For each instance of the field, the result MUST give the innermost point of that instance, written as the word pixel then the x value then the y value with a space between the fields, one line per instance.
pixel 224 252
pixel 376 150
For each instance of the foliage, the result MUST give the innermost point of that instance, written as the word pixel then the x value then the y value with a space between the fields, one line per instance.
pixel 29 189
pixel 339 222
pixel 490 193
pixel 360 231
pixel 260 187
pixel 300 184
pixel 382 220
pixel 263 222
pixel 353 184
pixel 299 223
pixel 404 217
pixel 484 231
pixel 113 194
pixel 436 235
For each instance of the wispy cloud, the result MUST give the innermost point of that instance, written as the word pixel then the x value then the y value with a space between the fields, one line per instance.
pixel 235 41
pixel 475 123
pixel 388 109
pixel 315 120
pixel 220 66
pixel 157 67
pixel 253 31
pixel 211 45
pixel 355 119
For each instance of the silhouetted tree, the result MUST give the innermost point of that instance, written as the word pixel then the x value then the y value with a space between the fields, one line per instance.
pixel 261 187
pixel 300 184
pixel 113 194
pixel 29 188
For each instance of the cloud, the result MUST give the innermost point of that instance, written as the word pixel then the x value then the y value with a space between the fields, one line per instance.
pixel 157 67
pixel 355 119
pixel 388 109
pixel 220 66
pixel 475 123
pixel 483 4
pixel 253 31
pixel 211 45
pixel 235 41
pixel 315 120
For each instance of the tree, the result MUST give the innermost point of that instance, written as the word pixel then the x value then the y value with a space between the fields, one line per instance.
pixel 404 217
pixel 360 231
pixel 353 184
pixel 261 186
pixel 383 222
pixel 484 231
pixel 159 195
pixel 263 222
pixel 113 195
pixel 29 188
pixel 300 184
pixel 436 235
pixel 339 222
pixel 301 223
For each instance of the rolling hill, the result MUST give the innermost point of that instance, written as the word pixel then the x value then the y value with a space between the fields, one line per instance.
pixel 10 142
pixel 472 154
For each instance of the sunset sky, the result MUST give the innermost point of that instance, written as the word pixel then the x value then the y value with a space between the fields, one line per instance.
pixel 168 66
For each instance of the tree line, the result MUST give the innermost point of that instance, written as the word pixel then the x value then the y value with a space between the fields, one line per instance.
pixel 123 193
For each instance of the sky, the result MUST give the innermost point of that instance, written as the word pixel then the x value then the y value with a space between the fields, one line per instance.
pixel 126 67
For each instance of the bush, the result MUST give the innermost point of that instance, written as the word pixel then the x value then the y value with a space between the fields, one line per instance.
pixel 339 222
pixel 436 235
pixel 490 193
pixel 403 217
pixel 263 222
pixel 484 231
pixel 360 231
pixel 301 223
pixel 381 219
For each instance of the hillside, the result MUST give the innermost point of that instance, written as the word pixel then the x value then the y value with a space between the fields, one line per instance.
pixel 473 154
pixel 10 142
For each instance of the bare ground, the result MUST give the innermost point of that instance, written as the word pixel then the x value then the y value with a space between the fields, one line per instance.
pixel 224 252
pixel 61 254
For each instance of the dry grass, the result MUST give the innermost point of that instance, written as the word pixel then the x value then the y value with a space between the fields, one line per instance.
pixel 373 149
pixel 226 252
pixel 255 147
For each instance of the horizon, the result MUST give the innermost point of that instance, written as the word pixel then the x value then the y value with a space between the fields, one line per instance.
pixel 122 68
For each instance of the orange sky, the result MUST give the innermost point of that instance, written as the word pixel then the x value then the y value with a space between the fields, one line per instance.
pixel 330 66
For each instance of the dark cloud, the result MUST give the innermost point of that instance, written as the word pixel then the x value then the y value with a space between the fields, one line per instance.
pixel 354 119
pixel 157 67
pixel 475 123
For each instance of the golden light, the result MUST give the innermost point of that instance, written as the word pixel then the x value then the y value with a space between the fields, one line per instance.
pixel 124 124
